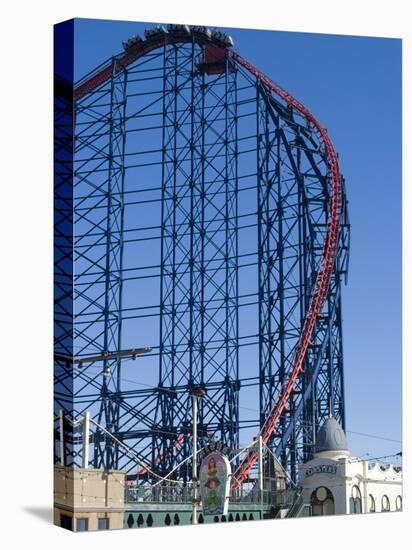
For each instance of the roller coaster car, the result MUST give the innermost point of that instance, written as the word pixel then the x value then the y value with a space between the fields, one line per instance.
pixel 214 60
pixel 222 38
pixel 132 42
pixel 157 32
pixel 203 31
pixel 178 29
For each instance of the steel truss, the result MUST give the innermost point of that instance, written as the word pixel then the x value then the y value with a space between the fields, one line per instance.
pixel 197 218
pixel 292 213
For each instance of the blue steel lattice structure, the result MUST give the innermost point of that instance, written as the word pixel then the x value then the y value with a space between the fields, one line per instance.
pixel 200 204
pixel 292 208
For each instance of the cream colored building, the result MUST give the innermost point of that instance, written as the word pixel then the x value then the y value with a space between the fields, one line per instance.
pixel 333 482
pixel 87 499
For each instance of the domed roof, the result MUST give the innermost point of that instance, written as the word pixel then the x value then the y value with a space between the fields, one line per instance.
pixel 331 437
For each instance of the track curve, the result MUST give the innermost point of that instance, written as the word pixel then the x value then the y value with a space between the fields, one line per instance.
pixel 319 291
pixel 320 288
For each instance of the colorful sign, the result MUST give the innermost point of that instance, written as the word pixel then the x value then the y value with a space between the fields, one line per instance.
pixel 214 478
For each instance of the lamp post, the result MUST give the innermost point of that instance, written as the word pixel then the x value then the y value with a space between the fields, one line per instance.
pixel 260 455
pixel 105 356
pixel 196 393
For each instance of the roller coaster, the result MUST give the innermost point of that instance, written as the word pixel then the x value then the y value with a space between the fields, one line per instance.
pixel 200 213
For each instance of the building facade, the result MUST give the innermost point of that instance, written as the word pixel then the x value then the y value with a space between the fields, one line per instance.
pixel 333 482
pixel 87 499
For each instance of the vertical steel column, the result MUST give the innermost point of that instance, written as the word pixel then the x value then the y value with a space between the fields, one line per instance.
pixel 230 420
pixel 199 305
pixel 105 452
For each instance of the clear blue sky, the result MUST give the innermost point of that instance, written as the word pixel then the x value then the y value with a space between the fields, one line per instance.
pixel 353 86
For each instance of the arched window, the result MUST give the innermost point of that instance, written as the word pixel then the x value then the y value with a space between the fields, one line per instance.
pixel 398 503
pixel 130 521
pixel 386 507
pixel 355 501
pixel 322 503
pixel 372 505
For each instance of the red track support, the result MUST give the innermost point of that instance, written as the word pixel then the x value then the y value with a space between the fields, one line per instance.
pixel 179 441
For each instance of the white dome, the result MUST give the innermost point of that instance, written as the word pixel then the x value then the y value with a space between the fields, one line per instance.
pixel 331 438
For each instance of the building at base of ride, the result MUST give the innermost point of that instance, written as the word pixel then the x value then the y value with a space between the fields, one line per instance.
pixel 332 482
pixel 335 483
pixel 87 499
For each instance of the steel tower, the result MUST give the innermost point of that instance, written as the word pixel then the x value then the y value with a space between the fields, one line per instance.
pixel 202 213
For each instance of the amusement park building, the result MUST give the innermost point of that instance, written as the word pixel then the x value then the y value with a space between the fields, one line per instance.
pixel 88 499
pixel 333 482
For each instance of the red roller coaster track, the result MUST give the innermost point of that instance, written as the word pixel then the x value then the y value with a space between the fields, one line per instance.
pixel 321 285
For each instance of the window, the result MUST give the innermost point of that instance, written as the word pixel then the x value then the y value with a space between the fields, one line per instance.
pixel 385 504
pixel 82 524
pixel 398 503
pixel 372 506
pixel 130 521
pixel 103 523
pixel 322 502
pixel 355 501
pixel 66 522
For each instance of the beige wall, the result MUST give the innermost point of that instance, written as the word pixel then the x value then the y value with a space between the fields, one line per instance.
pixel 115 518
pixel 89 493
